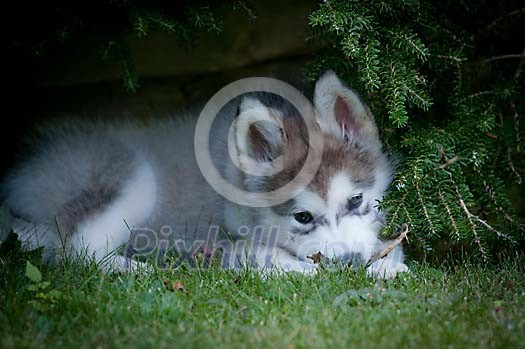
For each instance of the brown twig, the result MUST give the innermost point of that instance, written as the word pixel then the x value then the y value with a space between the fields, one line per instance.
pixel 492 195
pixel 449 212
pixel 471 217
pixel 512 168
pixel 516 125
pixel 448 57
pixel 499 19
pixel 517 74
pixel 425 211
pixel 475 95
pixel 448 162
pixel 496 58
pixel 386 251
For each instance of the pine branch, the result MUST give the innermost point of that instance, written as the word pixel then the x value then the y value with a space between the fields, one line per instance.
pixel 512 168
pixel 516 126
pixel 450 216
pixel 450 58
pixel 425 210
pixel 475 95
pixel 420 68
pixel 473 228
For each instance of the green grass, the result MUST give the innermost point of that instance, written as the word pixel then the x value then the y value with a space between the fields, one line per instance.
pixel 468 306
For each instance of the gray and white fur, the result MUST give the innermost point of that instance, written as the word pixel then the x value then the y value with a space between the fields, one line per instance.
pixel 88 185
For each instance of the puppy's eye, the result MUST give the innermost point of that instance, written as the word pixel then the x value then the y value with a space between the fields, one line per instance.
pixel 303 217
pixel 354 202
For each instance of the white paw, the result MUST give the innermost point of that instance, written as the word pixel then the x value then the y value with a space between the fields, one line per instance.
pixel 386 269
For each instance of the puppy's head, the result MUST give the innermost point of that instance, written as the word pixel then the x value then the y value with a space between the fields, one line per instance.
pixel 336 212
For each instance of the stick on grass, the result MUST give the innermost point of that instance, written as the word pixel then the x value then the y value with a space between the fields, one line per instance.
pixel 386 251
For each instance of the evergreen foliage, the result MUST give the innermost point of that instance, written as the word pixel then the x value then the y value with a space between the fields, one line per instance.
pixel 452 114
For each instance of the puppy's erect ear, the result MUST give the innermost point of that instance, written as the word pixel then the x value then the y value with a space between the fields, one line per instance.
pixel 258 138
pixel 340 111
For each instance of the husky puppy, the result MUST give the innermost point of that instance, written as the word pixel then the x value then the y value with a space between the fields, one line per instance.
pixel 87 187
